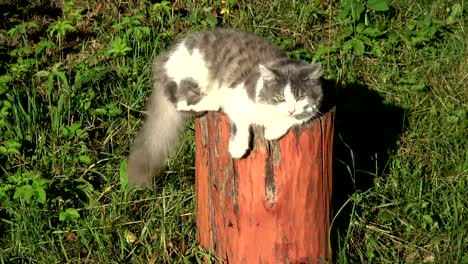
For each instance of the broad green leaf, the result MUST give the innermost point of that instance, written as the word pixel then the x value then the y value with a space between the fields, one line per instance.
pixel 3 150
pixel 42 73
pixel 114 112
pixel 360 27
pixel 38 181
pixel 321 51
pixel 41 195
pixel 345 33
pixel 69 214
pixel 146 30
pixel 365 39
pixel 344 13
pixel 211 19
pixel 74 127
pixel 86 104
pixel 85 186
pixel 44 45
pixel 372 32
pixel 25 192
pixel 357 11
pixel 5 80
pixel 11 143
pixel 377 51
pixel 377 5
pixel 416 40
pixel 66 26
pixel 461 113
pixel 13 151
pixel 82 134
pixel 6 104
pixel 358 46
pixel 386 216
pixel 123 174
pixel 164 7
pixel 85 159
pixel 12 31
pixel 428 219
pixel 61 76
pixel 100 111
pixel 347 45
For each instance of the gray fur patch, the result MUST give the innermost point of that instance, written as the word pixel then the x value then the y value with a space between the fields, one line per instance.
pixel 303 78
pixel 233 130
pixel 170 90
pixel 189 90
pixel 233 58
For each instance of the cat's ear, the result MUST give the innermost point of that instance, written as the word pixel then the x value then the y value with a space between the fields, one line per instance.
pixel 314 71
pixel 267 74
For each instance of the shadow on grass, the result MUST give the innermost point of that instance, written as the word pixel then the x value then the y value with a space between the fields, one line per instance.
pixel 367 130
pixel 15 12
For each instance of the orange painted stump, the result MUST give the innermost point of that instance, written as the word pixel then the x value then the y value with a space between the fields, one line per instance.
pixel 274 206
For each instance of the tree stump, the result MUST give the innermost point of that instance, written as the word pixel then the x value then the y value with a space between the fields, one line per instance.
pixel 274 206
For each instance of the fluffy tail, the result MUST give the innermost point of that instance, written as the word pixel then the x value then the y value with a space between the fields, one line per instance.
pixel 157 138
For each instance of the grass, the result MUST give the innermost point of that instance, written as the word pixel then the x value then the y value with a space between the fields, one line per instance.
pixel 74 78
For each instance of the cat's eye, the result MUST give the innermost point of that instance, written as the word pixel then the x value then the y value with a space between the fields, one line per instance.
pixel 300 98
pixel 279 98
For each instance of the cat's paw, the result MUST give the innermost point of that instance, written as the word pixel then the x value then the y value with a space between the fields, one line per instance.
pixel 273 133
pixel 183 106
pixel 237 151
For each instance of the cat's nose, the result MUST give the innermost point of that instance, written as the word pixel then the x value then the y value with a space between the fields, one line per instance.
pixel 291 111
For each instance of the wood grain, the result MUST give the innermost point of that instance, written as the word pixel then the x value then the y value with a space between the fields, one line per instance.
pixel 272 206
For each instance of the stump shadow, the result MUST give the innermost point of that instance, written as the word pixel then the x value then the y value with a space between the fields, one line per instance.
pixel 366 132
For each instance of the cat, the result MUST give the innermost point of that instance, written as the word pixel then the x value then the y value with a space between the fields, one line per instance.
pixel 238 73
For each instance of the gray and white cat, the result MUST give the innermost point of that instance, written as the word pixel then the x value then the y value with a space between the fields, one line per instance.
pixel 238 73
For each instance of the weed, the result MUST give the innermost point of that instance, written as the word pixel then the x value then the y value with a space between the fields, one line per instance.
pixel 59 28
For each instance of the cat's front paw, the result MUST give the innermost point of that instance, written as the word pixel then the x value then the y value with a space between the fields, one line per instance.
pixel 273 133
pixel 237 151
pixel 183 106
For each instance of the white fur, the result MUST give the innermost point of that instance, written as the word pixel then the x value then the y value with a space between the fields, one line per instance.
pixel 181 65
pixel 258 88
pixel 243 112
pixel 235 102
pixel 213 101
pixel 290 106
pixel 266 74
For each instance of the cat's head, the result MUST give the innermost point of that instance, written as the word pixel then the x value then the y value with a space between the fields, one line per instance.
pixel 293 86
